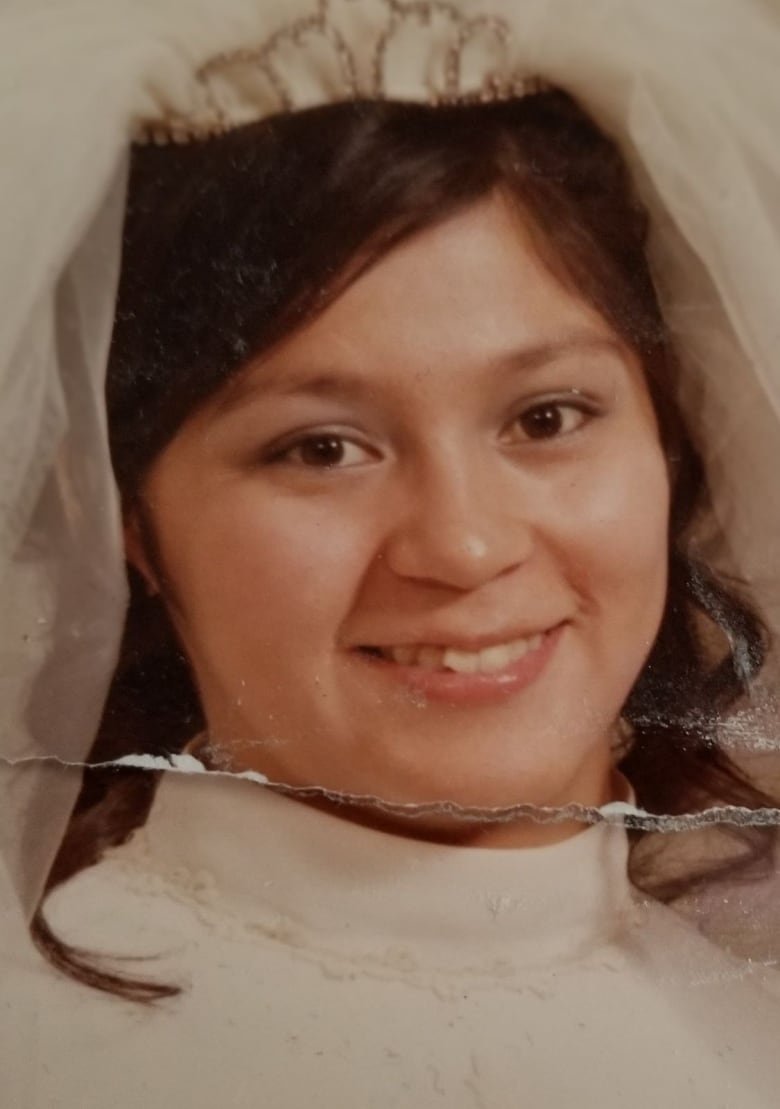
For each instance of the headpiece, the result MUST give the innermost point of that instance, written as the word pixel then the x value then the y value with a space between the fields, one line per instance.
pixel 352 63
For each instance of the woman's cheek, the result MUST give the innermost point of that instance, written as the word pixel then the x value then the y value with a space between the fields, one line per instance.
pixel 288 563
pixel 613 535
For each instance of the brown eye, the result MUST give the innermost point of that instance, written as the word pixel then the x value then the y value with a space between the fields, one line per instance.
pixel 542 422
pixel 550 419
pixel 323 451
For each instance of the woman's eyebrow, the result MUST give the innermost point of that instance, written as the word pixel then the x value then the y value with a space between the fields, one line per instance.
pixel 334 384
pixel 579 342
pixel 342 384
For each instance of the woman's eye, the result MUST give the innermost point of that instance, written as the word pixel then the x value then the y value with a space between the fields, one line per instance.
pixel 322 452
pixel 550 420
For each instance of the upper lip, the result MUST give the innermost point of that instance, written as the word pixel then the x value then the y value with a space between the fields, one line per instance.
pixel 460 642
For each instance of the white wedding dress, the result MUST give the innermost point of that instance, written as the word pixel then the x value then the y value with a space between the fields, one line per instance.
pixel 326 963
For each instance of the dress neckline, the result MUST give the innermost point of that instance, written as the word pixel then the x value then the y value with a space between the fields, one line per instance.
pixel 316 880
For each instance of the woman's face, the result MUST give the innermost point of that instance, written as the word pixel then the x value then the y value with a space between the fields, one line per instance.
pixel 419 551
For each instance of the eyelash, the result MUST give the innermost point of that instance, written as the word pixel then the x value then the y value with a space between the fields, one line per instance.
pixel 283 454
pixel 584 408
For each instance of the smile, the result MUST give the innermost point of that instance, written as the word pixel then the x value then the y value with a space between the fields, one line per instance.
pixel 465 677
pixel 489 660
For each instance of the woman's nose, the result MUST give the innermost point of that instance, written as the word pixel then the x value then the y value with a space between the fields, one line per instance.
pixel 460 529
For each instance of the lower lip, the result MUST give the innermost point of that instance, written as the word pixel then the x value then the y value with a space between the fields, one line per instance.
pixel 472 689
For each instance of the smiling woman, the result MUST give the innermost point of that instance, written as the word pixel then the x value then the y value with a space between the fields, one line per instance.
pixel 414 518
pixel 400 498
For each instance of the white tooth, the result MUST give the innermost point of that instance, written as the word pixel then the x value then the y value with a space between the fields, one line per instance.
pixel 487 661
pixel 519 648
pixel 464 662
pixel 429 658
pixel 493 659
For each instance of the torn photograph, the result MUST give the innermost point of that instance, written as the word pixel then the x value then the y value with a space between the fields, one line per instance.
pixel 389 554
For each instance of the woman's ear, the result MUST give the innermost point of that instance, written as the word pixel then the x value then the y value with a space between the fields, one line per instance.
pixel 136 551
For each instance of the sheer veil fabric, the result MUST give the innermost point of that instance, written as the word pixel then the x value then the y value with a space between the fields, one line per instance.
pixel 689 89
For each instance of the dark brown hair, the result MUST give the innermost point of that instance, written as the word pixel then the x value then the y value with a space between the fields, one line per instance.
pixel 231 244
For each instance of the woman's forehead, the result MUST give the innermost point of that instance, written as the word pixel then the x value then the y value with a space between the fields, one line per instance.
pixel 471 294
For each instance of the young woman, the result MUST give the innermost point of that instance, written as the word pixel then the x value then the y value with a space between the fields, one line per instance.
pixel 415 519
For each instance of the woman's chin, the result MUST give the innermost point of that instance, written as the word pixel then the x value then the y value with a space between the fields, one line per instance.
pixel 436 783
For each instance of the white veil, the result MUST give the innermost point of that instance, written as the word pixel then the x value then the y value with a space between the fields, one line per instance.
pixel 689 89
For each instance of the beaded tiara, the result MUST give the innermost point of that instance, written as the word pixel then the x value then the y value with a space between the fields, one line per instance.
pixel 350 50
